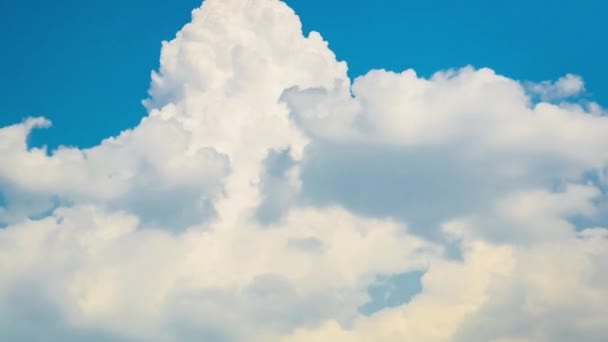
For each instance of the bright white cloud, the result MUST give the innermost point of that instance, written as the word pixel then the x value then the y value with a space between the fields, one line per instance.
pixel 264 193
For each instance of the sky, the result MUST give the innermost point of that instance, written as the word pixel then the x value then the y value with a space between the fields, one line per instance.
pixel 259 170
pixel 60 54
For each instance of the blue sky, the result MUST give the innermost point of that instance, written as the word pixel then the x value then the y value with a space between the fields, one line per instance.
pixel 86 65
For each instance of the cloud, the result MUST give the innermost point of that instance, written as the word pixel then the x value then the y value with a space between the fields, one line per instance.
pixel 567 86
pixel 481 111
pixel 101 269
pixel 147 170
pixel 266 196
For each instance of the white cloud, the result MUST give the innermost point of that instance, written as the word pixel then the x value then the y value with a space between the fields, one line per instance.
pixel 566 86
pixel 147 170
pixel 264 193
pixel 102 270
pixel 477 109
pixel 547 292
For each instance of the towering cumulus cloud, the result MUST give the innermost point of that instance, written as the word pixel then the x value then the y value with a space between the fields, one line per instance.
pixel 266 197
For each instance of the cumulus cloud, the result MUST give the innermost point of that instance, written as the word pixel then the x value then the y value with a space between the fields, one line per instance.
pixel 265 195
pixel 147 170
pixel 566 86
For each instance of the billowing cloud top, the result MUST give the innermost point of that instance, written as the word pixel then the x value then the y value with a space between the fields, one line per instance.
pixel 266 197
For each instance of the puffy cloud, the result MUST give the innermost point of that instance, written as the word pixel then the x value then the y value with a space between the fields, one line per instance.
pixel 265 195
pixel 101 270
pixel 567 86
pixel 548 292
pixel 147 170
pixel 477 109
pixel 394 142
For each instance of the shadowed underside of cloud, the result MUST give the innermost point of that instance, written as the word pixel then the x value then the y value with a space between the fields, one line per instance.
pixel 267 197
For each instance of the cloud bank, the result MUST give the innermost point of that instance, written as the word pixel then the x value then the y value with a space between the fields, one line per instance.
pixel 267 197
